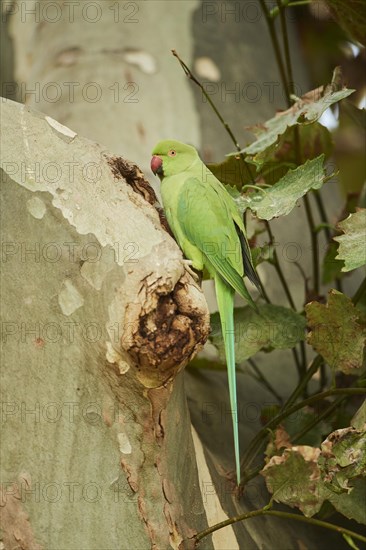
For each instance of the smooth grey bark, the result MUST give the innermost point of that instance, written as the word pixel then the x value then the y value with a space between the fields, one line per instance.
pixel 93 340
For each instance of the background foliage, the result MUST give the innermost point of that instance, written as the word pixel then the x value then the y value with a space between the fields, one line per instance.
pixel 317 462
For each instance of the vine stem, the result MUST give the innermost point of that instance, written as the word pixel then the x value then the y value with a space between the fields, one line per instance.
pixel 314 243
pixel 277 50
pixel 304 381
pixel 266 511
pixel 318 418
pixel 291 91
pixel 275 11
pixel 359 292
pixel 303 432
pixel 326 227
pixel 253 450
pixel 322 213
pixel 300 367
pixel 286 47
pixel 278 268
pixel 191 76
pixel 264 380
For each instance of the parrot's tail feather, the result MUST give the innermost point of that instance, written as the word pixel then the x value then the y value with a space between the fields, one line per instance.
pixel 225 301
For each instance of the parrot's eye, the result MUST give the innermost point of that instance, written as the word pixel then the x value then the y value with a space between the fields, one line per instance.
pixel 172 153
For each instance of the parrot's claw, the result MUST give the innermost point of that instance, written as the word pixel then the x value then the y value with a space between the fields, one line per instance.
pixel 187 265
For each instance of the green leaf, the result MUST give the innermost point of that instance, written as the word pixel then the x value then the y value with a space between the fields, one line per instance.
pixel 343 458
pixel 336 333
pixel 232 171
pixel 351 16
pixel 352 245
pixel 305 477
pixel 306 110
pixel 294 479
pixel 281 198
pixel 351 505
pixel 273 327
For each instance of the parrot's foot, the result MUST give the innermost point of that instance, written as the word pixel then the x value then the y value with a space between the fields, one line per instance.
pixel 187 265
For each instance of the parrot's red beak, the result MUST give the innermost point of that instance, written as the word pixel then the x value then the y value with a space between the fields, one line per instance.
pixel 156 165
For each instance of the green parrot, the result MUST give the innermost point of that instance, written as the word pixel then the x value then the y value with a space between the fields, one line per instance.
pixel 210 231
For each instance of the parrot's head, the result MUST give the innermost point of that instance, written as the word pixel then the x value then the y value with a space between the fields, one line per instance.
pixel 171 157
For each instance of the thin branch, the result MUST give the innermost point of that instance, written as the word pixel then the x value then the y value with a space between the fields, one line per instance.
pixel 286 47
pixel 323 215
pixel 314 244
pixel 318 418
pixel 290 91
pixel 275 11
pixel 359 292
pixel 284 515
pixel 326 227
pixel 301 366
pixel 264 380
pixel 304 381
pixel 191 76
pixel 253 449
pixel 278 267
pixel 276 48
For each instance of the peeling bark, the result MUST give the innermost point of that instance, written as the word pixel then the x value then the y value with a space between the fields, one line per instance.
pixel 160 314
pixel 16 529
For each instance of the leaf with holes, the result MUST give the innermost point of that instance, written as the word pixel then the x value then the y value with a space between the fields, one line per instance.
pixel 306 110
pixel 294 479
pixel 343 458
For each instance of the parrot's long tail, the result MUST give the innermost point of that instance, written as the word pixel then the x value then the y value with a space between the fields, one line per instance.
pixel 225 301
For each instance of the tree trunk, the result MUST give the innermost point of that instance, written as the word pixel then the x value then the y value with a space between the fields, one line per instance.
pixel 103 321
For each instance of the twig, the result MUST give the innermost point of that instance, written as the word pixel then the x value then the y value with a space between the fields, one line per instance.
pixel 323 215
pixel 314 244
pixel 264 381
pixel 301 367
pixel 278 268
pixel 284 515
pixel 275 11
pixel 191 76
pixel 318 418
pixel 304 381
pixel 276 48
pixel 252 449
pixel 290 91
pixel 286 47
pixel 359 292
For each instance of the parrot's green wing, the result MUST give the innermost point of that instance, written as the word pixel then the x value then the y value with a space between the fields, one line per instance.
pixel 212 228
pixel 249 270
